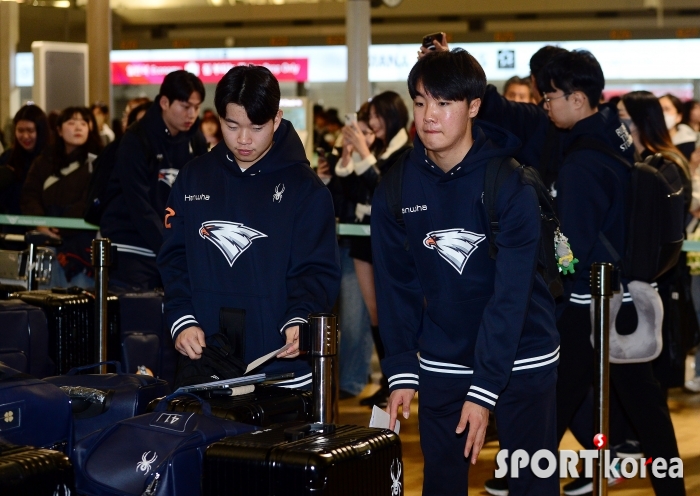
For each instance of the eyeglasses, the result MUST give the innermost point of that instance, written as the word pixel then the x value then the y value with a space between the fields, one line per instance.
pixel 548 99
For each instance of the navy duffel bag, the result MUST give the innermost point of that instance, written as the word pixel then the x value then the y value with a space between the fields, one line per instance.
pixel 33 412
pixel 100 400
pixel 159 453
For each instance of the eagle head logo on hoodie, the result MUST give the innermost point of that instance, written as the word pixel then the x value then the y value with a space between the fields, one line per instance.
pixel 454 245
pixel 231 238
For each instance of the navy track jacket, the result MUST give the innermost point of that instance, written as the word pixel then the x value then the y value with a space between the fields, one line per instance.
pixel 444 297
pixel 261 240
pixel 592 191
pixel 133 220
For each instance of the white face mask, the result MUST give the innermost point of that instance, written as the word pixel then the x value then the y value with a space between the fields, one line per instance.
pixel 670 121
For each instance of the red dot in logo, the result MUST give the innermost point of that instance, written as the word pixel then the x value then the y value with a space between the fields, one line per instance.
pixel 599 440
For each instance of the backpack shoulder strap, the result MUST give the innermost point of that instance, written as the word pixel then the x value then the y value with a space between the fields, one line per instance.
pixel 198 143
pixel 588 143
pixel 497 170
pixel 393 185
pixel 140 133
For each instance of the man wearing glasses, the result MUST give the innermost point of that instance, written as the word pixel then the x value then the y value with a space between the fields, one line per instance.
pixel 592 189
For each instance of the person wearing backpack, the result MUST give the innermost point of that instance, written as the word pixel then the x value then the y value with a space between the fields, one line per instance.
pixel 249 235
pixel 592 194
pixel 484 327
pixel 147 163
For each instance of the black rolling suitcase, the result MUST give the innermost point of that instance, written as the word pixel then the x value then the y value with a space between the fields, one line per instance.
pixel 70 317
pixel 144 340
pixel 24 338
pixel 27 471
pixel 265 406
pixel 295 459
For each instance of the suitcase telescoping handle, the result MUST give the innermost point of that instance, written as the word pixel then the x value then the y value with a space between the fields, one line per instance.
pixel 117 366
pixel 163 404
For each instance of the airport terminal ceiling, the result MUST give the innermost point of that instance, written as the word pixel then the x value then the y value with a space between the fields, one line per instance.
pixel 151 24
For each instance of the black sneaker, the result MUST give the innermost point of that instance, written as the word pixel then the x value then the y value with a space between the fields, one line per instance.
pixel 345 395
pixel 380 398
pixel 583 486
pixel 497 487
pixel 629 449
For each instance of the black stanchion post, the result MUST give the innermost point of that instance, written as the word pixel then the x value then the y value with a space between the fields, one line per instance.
pixel 101 260
pixel 324 354
pixel 601 292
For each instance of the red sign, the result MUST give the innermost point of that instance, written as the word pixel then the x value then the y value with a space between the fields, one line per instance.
pixel 209 71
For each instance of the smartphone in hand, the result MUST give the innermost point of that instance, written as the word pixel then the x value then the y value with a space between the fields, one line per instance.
pixel 351 119
pixel 429 38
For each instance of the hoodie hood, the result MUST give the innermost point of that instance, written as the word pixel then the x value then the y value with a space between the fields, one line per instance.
pixel 489 141
pixel 604 126
pixel 286 150
pixel 153 120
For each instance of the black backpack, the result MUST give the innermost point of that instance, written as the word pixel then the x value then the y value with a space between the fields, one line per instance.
pixel 654 215
pixel 497 170
pixel 100 190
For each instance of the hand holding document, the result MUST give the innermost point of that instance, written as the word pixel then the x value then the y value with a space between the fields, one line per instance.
pixel 259 361
pixel 380 419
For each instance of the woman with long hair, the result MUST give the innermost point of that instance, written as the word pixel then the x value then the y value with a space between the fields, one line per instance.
pixel 387 119
pixel 691 115
pixel 31 137
pixel 355 352
pixel 642 112
pixel 681 134
pixel 57 185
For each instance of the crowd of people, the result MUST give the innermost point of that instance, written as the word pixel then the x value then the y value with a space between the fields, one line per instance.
pixel 467 316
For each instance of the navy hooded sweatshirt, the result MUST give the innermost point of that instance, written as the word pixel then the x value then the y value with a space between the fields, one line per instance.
pixel 142 181
pixel 466 314
pixel 260 240
pixel 591 192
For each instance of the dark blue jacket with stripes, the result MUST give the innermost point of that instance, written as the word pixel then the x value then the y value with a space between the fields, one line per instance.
pixel 445 307
pixel 261 240
pixel 591 193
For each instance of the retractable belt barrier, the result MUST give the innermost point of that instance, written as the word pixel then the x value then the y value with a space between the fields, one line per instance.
pixel 36 220
pixel 601 292
pixel 70 223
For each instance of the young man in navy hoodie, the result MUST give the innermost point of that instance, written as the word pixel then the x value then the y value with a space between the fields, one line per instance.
pixel 147 163
pixel 249 230
pixel 477 334
pixel 592 189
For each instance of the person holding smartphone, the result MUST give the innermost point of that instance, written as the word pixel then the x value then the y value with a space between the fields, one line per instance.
pixel 361 168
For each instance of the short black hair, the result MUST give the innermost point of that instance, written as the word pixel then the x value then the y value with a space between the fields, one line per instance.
pixel 179 85
pixel 540 58
pixel 254 88
pixel 454 76
pixel 577 70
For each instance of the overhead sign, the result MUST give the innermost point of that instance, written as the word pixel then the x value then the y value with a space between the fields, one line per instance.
pixel 209 71
pixel 390 63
